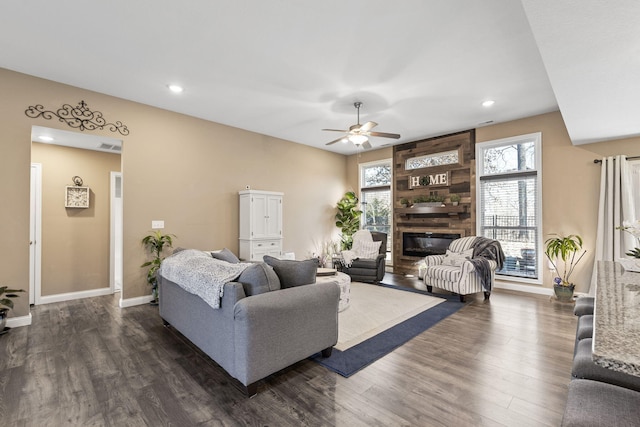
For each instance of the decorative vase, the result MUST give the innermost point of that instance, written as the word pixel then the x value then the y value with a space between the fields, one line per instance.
pixel 564 293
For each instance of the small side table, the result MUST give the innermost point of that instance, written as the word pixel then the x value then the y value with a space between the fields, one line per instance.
pixel 344 282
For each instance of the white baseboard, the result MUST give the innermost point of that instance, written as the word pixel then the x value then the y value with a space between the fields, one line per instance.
pixel 15 322
pixel 523 288
pixel 49 299
pixel 130 302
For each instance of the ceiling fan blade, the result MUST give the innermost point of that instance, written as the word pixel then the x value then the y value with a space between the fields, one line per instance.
pixel 334 141
pixel 336 130
pixel 368 126
pixel 384 135
pixel 367 145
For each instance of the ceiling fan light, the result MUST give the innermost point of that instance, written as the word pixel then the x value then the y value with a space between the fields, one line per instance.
pixel 358 139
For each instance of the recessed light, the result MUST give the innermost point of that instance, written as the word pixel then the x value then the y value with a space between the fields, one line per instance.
pixel 488 103
pixel 45 138
pixel 175 88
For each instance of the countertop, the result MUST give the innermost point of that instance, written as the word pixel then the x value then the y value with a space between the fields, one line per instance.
pixel 616 332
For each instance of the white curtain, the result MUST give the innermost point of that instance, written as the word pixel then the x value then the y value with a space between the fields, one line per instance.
pixel 634 174
pixel 616 206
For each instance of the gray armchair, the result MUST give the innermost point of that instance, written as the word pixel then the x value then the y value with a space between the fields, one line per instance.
pixel 369 270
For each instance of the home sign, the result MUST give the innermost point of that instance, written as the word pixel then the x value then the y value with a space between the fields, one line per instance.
pixel 435 180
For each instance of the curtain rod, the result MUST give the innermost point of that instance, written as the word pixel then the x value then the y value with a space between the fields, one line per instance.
pixel 628 158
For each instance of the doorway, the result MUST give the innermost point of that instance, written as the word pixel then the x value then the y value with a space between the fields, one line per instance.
pixel 78 244
pixel 35 234
pixel 116 233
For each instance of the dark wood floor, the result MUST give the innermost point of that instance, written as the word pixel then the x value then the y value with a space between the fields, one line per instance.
pixel 503 362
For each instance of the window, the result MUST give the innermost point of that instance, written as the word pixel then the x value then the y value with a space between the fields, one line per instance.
pixel 375 189
pixel 429 160
pixel 634 172
pixel 510 204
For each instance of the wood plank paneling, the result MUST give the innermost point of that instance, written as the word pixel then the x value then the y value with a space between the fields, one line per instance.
pixel 461 181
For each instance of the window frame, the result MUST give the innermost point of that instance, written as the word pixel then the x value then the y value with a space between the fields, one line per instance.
pixel 536 138
pixel 364 189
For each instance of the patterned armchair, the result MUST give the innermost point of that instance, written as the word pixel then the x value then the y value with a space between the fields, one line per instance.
pixel 468 267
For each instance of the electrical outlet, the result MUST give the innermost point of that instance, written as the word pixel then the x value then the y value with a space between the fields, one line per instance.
pixel 156 224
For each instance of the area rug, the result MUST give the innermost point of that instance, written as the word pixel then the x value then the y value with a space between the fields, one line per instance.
pixel 380 319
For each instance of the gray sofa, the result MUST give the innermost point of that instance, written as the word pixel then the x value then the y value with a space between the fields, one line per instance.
pixel 253 336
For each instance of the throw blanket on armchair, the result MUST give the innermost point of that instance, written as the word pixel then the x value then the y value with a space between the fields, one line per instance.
pixel 485 249
pixel 200 274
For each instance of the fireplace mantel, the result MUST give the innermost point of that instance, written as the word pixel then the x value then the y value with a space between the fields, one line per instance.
pixel 439 210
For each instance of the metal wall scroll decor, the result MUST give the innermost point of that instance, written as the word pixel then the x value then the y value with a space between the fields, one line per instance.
pixel 79 117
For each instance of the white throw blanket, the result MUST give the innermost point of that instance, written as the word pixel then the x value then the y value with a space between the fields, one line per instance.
pixel 363 247
pixel 200 274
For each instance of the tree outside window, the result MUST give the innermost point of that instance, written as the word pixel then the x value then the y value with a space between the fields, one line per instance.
pixel 509 201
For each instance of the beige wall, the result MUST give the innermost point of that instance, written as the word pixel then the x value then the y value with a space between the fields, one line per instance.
pixel 571 181
pixel 75 242
pixel 176 168
pixel 187 172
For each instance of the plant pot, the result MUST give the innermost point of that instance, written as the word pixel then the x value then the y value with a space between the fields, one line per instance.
pixel 563 293
pixel 455 203
pixel 427 205
pixel 4 313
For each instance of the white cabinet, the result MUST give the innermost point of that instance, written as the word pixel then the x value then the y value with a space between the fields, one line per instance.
pixel 260 224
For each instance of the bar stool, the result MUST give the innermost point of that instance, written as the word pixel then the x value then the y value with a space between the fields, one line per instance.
pixel 584 330
pixel 585 327
pixel 585 368
pixel 592 403
pixel 584 306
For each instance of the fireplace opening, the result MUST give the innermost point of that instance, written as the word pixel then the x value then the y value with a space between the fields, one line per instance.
pixel 423 244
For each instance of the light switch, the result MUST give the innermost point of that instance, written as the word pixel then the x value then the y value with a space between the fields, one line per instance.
pixel 156 224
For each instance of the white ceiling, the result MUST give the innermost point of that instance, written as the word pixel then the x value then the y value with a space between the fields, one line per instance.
pixel 289 68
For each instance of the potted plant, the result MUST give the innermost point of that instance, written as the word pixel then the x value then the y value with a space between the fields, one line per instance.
pixel 155 243
pixel 348 218
pixel 562 251
pixel 6 304
pixel 404 202
pixel 633 228
pixel 431 200
pixel 455 199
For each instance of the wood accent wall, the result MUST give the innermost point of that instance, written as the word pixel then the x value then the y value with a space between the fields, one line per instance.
pixel 454 219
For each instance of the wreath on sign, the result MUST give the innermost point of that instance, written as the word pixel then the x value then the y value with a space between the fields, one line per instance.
pixel 424 180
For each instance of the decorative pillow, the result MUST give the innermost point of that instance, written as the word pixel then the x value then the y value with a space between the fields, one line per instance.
pixel 366 250
pixel 226 255
pixel 293 273
pixel 456 259
pixel 258 279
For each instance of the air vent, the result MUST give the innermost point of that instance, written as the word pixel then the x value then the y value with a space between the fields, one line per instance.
pixel 109 147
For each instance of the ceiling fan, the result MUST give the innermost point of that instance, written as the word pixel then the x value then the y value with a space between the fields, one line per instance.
pixel 359 134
